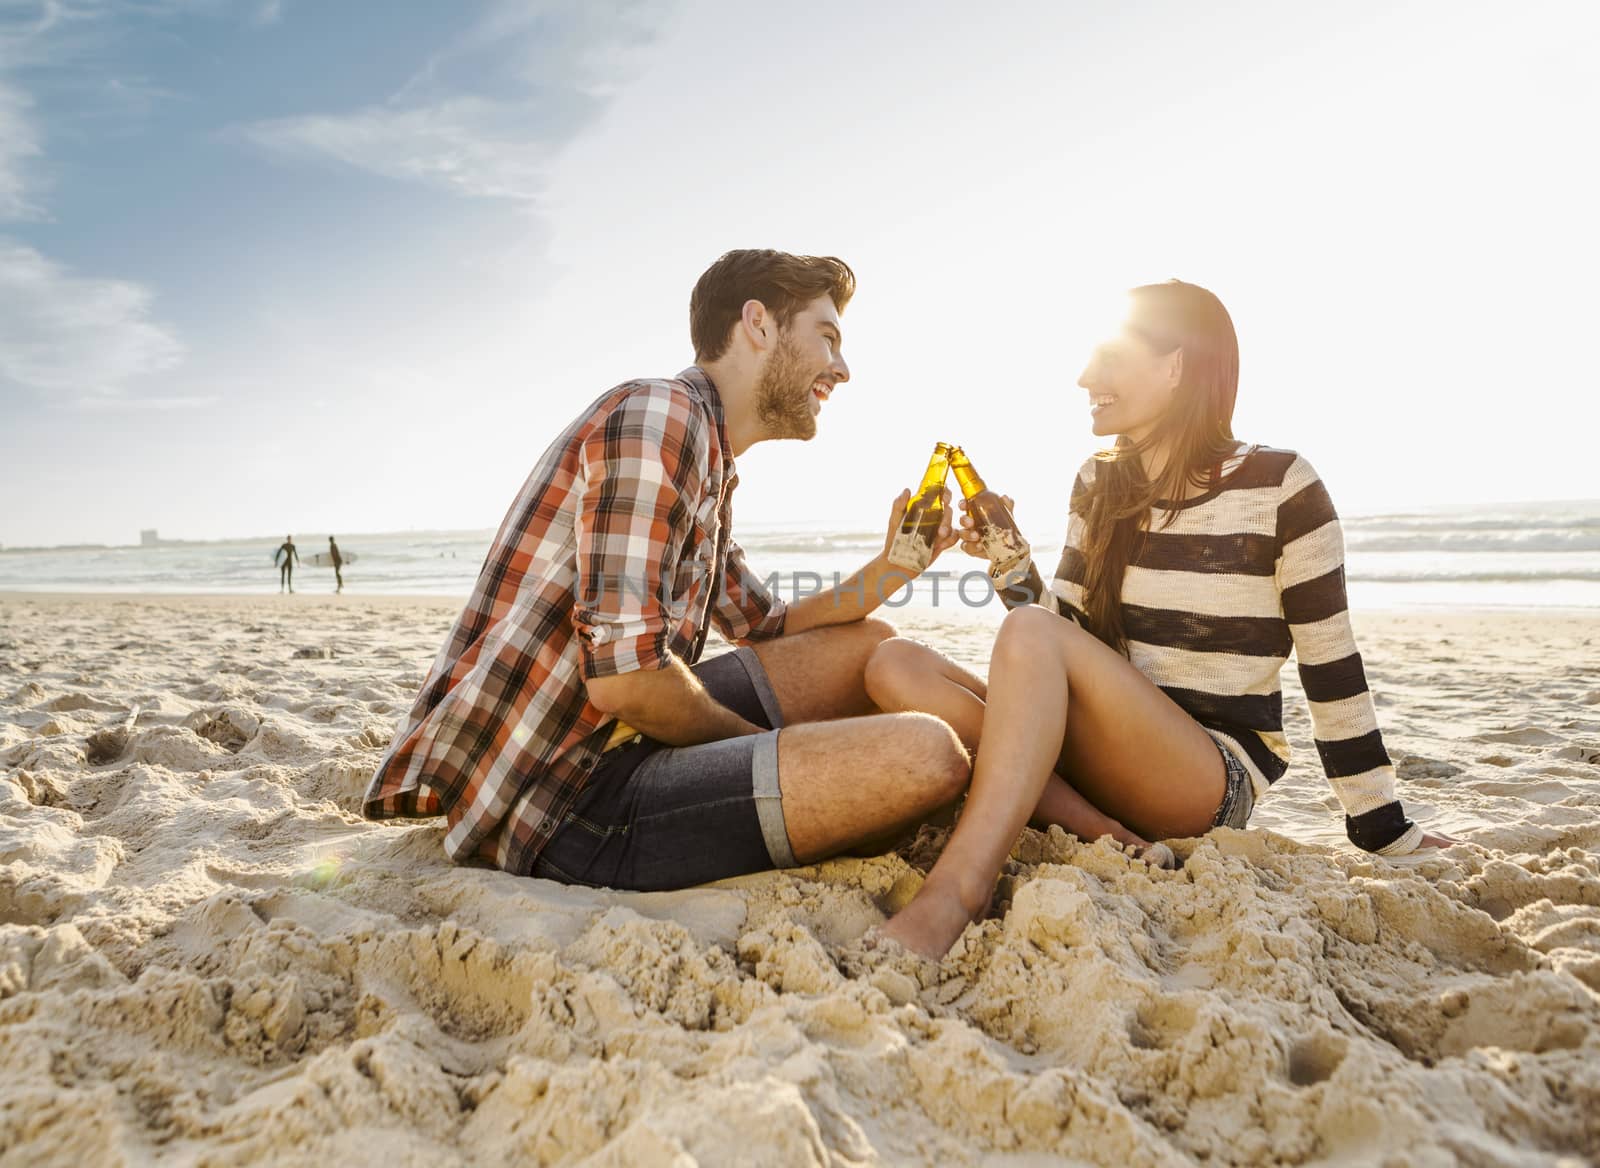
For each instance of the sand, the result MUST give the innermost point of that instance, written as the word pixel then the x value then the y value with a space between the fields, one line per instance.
pixel 207 957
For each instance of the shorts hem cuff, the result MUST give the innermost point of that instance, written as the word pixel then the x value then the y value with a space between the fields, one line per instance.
pixel 769 801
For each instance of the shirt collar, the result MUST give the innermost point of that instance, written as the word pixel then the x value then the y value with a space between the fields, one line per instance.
pixel 700 381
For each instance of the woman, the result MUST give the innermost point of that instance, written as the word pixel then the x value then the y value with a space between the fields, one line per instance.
pixel 1139 697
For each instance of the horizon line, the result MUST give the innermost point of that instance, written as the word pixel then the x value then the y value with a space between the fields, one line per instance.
pixel 826 524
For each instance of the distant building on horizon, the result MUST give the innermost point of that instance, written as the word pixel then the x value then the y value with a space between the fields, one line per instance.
pixel 149 538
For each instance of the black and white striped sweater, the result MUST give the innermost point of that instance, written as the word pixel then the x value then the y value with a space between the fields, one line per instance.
pixel 1213 603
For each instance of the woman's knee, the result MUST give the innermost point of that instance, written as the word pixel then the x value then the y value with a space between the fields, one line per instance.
pixel 1028 632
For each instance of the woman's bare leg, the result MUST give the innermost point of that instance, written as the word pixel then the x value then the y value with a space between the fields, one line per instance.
pixel 904 676
pixel 1130 749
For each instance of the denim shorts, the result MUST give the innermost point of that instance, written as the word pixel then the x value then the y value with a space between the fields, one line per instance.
pixel 1238 793
pixel 653 816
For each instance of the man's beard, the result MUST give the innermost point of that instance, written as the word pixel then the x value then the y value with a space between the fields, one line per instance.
pixel 783 395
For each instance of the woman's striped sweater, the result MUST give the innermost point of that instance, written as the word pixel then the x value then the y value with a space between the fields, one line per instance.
pixel 1213 603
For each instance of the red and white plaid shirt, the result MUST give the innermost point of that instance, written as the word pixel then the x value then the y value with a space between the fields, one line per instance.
pixel 605 564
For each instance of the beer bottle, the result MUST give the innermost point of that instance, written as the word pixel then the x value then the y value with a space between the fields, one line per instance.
pixel 997 531
pixel 913 544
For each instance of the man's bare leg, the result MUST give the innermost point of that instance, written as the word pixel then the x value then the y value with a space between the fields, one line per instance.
pixel 903 675
pixel 855 780
pixel 851 780
pixel 820 674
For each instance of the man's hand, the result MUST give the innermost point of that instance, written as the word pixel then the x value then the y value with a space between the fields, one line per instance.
pixel 897 512
pixel 969 530
pixel 857 597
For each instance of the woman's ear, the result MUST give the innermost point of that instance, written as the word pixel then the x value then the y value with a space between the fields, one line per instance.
pixel 1175 369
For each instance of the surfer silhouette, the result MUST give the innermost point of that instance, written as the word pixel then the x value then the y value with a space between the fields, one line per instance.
pixel 338 564
pixel 290 554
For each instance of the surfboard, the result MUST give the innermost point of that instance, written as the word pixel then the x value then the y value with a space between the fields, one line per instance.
pixel 324 560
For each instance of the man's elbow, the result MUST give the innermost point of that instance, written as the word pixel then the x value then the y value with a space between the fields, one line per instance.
pixel 613 695
pixel 602 694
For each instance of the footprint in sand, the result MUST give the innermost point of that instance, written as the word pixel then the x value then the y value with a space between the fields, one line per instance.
pixel 1522 736
pixel 1576 753
pixel 1535 792
pixel 229 727
pixel 1417 767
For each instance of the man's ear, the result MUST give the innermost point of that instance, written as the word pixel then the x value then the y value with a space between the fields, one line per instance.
pixel 757 324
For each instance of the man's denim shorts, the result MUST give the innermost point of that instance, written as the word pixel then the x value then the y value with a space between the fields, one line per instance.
pixel 1238 794
pixel 654 816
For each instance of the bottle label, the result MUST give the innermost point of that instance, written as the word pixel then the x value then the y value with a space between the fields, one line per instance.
pixel 1007 550
pixel 911 550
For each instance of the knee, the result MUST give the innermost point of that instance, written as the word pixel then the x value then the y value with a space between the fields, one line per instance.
pixel 874 630
pixel 1026 632
pixel 1029 621
pixel 866 637
pixel 941 764
pixel 891 670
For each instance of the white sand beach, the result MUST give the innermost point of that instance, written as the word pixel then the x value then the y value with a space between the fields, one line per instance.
pixel 208 957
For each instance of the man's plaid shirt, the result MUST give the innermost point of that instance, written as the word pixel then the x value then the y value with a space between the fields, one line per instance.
pixel 607 562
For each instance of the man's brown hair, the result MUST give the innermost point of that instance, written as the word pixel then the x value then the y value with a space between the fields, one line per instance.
pixel 784 283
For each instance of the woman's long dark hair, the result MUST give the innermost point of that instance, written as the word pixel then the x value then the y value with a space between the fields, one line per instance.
pixel 1198 426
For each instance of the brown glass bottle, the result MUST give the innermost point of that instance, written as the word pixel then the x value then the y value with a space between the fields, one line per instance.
pixel 912 548
pixel 997 531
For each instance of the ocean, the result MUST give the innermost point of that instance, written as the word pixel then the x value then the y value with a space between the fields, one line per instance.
pixel 1524 555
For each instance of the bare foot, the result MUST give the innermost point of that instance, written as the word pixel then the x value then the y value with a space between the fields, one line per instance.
pixel 930 924
pixel 889 965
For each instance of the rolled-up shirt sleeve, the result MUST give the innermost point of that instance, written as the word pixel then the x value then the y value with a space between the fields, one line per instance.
pixel 746 609
pixel 641 474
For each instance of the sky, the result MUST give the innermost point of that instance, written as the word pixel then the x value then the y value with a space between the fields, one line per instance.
pixel 285 265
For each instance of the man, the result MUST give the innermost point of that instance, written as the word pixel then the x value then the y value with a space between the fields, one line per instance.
pixel 289 555
pixel 568 728
pixel 338 565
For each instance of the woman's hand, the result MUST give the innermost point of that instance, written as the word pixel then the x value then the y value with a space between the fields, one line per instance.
pixel 897 513
pixel 969 530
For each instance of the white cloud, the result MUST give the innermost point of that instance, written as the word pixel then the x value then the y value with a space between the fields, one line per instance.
pixel 72 338
pixel 44 34
pixel 19 143
pixel 470 145
pixel 486 113
pixel 583 46
pixel 84 339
